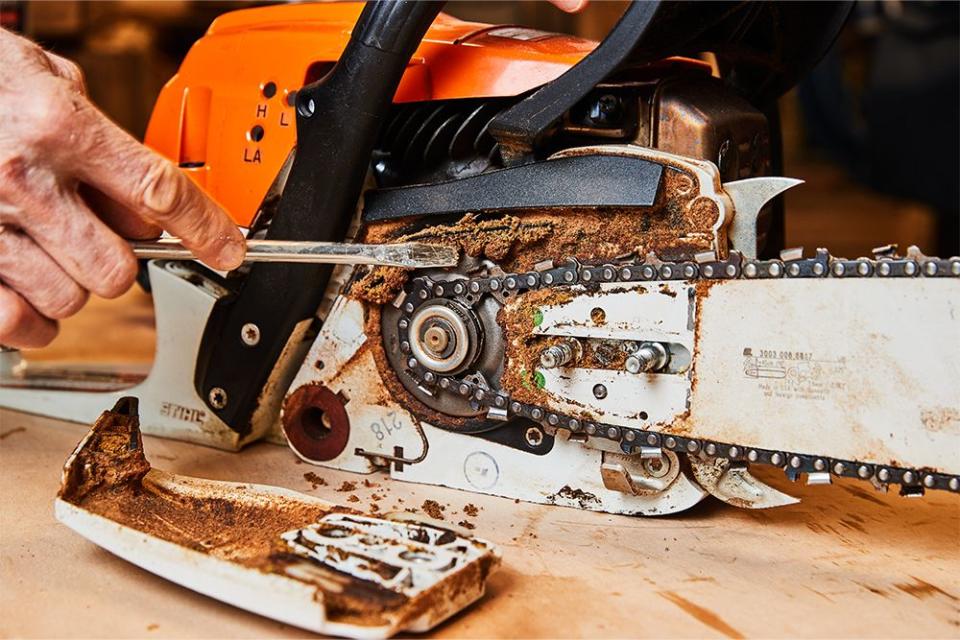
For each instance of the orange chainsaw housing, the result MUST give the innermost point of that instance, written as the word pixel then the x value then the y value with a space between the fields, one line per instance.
pixel 226 117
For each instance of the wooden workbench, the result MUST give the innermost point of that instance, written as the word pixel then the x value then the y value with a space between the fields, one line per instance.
pixel 847 561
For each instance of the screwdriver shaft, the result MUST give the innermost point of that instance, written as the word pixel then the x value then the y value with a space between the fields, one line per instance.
pixel 409 255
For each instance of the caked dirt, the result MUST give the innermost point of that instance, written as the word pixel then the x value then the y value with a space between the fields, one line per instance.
pixel 678 225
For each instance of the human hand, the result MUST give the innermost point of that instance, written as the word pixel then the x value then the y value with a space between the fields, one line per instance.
pixel 570 6
pixel 73 185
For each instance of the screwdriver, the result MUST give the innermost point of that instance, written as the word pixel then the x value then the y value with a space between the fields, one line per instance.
pixel 408 255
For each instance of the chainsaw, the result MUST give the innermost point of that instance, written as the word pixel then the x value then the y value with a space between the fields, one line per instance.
pixel 608 318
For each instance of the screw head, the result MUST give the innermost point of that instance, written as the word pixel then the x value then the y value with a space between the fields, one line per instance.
pixel 307 107
pixel 599 392
pixel 250 334
pixel 217 397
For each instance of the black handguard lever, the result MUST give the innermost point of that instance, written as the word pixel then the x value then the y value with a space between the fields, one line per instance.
pixel 338 120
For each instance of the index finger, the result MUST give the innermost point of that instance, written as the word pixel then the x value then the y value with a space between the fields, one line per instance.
pixel 151 186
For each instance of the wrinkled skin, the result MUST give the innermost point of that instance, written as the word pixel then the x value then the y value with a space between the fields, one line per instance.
pixel 73 185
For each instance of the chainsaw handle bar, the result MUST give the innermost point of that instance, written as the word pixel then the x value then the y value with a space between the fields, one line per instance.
pixel 338 119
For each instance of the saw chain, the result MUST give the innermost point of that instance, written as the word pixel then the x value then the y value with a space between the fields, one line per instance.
pixel 791 265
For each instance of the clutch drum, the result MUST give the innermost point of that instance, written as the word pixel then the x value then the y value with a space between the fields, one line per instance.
pixel 444 336
pixel 447 337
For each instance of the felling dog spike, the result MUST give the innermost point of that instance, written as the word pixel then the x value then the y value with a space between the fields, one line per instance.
pixel 749 196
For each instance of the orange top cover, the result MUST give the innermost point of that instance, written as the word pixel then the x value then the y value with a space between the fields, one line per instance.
pixel 226 116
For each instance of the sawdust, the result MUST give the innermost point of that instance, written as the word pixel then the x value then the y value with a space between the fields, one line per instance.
pixel 353 498
pixel 497 239
pixel 433 509
pixel 467 525
pixel 379 285
pixel 347 486
pixel 583 498
pixel 678 225
pixel 110 456
pixel 522 353
pixel 314 479
pixel 471 510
